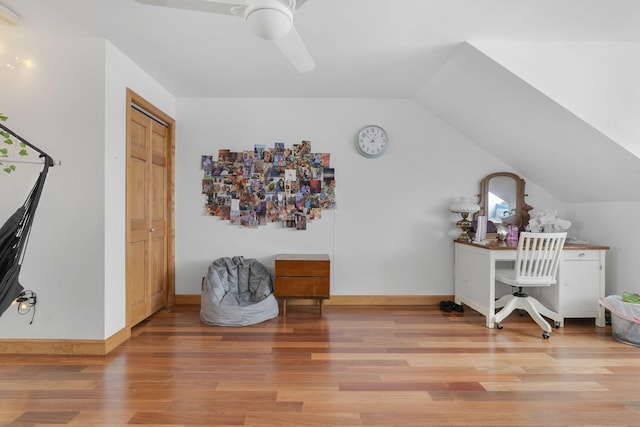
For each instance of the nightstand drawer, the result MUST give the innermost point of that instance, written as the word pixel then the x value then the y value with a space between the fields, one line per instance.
pixel 302 266
pixel 302 287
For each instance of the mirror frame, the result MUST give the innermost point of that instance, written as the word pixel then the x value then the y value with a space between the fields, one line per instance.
pixel 522 208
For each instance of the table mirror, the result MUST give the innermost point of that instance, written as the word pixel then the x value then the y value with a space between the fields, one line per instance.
pixel 502 199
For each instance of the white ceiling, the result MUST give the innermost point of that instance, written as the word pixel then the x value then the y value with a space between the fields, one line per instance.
pixel 362 48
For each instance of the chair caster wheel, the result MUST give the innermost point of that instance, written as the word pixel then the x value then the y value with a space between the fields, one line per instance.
pixel 499 325
pixel 556 325
pixel 545 335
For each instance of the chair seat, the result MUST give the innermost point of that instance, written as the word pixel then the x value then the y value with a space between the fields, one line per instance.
pixel 509 277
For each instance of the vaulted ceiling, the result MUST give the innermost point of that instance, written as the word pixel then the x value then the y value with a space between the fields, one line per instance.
pixel 549 117
pixel 362 48
pixel 530 131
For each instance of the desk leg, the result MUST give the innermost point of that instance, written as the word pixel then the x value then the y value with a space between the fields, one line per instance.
pixel 321 303
pixel 284 307
pixel 491 300
pixel 491 311
pixel 475 281
pixel 491 314
pixel 600 320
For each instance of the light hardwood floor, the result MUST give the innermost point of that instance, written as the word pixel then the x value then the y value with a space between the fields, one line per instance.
pixel 355 366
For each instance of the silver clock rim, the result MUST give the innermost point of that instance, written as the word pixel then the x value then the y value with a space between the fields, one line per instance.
pixel 364 153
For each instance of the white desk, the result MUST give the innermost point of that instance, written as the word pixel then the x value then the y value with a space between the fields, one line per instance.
pixel 580 280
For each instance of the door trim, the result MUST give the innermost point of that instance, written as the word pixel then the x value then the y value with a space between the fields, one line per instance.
pixel 133 99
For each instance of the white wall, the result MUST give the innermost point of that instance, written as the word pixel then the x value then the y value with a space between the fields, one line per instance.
pixel 390 235
pixel 607 224
pixel 597 81
pixel 529 131
pixel 121 73
pixel 392 231
pixel 58 105
pixel 71 104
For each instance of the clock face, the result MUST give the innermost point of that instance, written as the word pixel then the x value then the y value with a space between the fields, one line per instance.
pixel 372 141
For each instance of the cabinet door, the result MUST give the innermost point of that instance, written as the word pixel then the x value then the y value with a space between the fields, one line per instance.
pixel 580 287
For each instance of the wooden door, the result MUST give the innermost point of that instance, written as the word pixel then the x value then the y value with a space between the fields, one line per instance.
pixel 149 214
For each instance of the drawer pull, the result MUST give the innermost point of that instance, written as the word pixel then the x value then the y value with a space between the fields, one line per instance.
pixel 582 255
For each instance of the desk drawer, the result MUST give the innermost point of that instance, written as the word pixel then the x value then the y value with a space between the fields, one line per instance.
pixel 580 255
pixel 302 287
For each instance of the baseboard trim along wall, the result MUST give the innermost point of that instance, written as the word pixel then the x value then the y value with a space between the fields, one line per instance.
pixel 102 347
pixel 347 300
pixel 52 346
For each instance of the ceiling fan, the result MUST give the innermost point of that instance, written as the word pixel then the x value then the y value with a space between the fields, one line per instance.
pixel 268 19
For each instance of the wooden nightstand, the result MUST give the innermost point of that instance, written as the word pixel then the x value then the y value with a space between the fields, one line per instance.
pixel 302 276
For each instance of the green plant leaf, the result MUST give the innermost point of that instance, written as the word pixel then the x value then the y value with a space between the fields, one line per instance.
pixel 4 152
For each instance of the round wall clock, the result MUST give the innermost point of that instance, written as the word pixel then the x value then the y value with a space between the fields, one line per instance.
pixel 372 141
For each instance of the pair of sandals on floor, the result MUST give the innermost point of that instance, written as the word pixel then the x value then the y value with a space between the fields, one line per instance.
pixel 448 306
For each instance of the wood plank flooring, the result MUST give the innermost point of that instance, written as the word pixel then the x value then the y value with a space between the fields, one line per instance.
pixel 355 366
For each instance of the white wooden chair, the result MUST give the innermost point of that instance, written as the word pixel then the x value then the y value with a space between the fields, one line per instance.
pixel 536 264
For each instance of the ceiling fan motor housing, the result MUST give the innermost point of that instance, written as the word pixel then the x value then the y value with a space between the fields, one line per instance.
pixel 268 19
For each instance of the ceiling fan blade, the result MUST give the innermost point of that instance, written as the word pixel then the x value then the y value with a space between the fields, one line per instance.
pixel 291 45
pixel 294 49
pixel 300 3
pixel 209 6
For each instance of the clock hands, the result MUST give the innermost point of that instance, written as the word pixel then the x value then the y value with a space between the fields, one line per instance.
pixel 370 138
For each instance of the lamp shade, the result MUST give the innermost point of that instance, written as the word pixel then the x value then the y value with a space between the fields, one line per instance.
pixel 465 204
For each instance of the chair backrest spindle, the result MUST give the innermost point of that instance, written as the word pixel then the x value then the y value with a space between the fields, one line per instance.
pixel 538 256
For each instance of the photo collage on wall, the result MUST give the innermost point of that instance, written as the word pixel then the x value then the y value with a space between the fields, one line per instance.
pixel 286 185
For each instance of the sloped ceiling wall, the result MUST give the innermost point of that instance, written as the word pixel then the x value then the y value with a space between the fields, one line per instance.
pixel 596 80
pixel 529 131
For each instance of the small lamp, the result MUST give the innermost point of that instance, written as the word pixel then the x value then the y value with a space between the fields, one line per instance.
pixel 26 301
pixel 464 206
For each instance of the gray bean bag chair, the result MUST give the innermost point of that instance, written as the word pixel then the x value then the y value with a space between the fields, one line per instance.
pixel 237 292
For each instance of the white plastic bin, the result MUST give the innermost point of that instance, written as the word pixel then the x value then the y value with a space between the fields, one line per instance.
pixel 625 319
